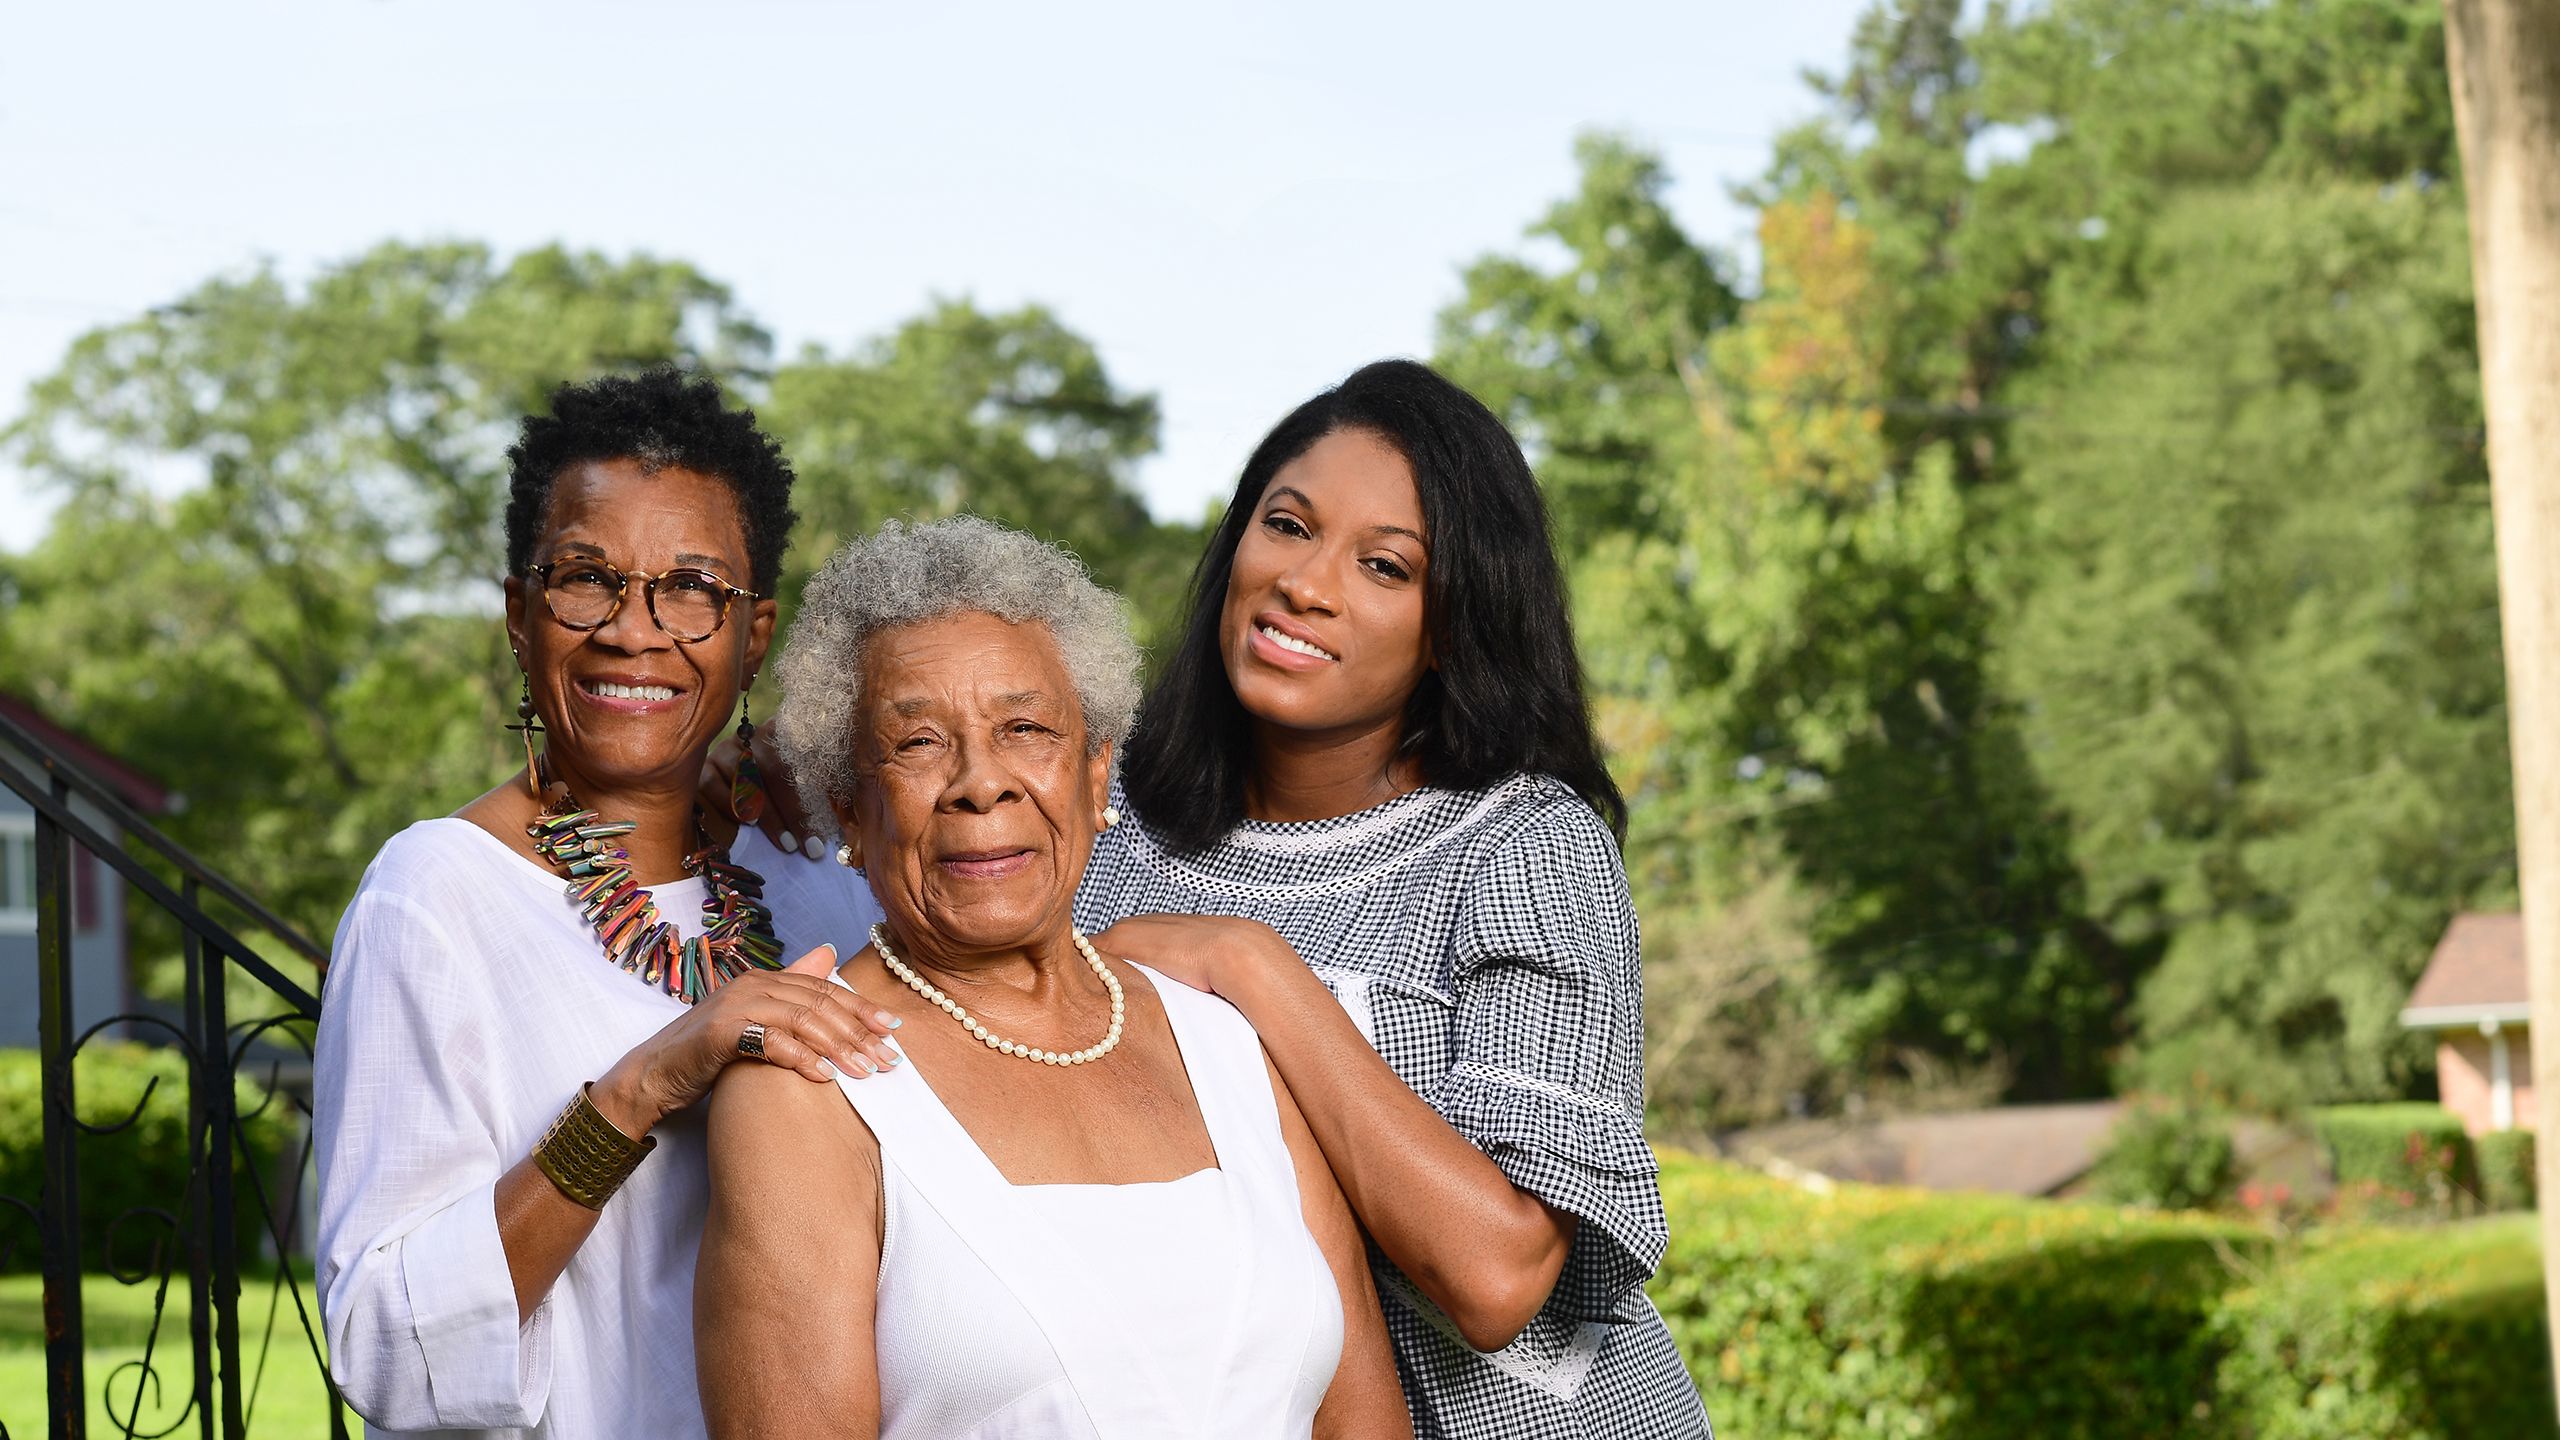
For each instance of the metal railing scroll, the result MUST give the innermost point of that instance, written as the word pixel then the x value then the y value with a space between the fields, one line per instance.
pixel 179 1258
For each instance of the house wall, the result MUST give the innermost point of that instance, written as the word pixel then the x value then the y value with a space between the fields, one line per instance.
pixel 2520 1066
pixel 2463 1076
pixel 99 981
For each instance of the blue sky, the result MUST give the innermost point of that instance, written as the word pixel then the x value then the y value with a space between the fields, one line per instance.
pixel 1237 204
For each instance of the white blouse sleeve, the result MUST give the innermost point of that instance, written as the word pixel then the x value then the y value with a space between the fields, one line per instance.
pixel 414 1288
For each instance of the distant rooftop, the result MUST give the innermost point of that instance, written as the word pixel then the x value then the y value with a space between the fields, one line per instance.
pixel 2013 1149
pixel 2476 974
pixel 139 790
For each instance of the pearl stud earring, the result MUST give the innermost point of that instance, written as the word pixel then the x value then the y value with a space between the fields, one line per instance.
pixel 1110 816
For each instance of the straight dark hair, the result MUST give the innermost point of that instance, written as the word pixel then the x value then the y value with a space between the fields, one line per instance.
pixel 1506 696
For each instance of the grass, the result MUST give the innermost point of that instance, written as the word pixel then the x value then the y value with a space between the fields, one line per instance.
pixel 289 1401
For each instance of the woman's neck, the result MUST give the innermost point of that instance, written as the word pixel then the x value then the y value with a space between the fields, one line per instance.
pixel 667 833
pixel 662 813
pixel 1301 775
pixel 1033 970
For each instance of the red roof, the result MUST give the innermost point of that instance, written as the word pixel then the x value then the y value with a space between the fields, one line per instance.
pixel 139 790
pixel 2479 962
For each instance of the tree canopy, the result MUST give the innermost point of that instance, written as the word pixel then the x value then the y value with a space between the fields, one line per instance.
pixel 274 577
pixel 2068 572
pixel 2039 601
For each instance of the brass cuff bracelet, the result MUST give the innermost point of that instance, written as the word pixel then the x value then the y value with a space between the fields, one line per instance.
pixel 585 1155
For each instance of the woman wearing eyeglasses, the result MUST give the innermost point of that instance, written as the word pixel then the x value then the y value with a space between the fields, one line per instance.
pixel 526 998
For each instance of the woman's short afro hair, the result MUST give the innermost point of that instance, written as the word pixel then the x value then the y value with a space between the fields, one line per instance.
pixel 664 419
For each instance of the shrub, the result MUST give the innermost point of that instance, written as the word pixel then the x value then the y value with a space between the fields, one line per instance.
pixel 2417 1154
pixel 127 1175
pixel 2506 1169
pixel 2166 1157
pixel 1873 1312
pixel 2413 1334
pixel 1870 1312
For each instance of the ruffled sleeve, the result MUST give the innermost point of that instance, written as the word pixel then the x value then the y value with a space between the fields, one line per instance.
pixel 1548 1071
pixel 415 1294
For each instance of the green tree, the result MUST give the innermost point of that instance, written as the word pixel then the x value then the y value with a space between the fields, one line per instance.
pixel 1009 415
pixel 273 576
pixel 273 580
pixel 2256 626
pixel 1779 611
pixel 2236 530
pixel 1599 363
pixel 1878 570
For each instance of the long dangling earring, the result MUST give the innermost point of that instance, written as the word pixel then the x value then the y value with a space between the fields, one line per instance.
pixel 746 791
pixel 529 725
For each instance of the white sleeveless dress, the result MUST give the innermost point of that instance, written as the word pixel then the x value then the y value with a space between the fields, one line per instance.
pixel 1184 1308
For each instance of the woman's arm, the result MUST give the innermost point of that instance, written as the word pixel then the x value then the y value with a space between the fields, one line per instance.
pixel 414 1295
pixel 1365 1398
pixel 806 1021
pixel 785 1290
pixel 1544 1090
pixel 436 1248
pixel 1485 1251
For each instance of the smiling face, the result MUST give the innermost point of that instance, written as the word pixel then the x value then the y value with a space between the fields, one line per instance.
pixel 1323 630
pixel 975 802
pixel 625 705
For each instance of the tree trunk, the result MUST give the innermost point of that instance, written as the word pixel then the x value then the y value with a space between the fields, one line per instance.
pixel 2504 56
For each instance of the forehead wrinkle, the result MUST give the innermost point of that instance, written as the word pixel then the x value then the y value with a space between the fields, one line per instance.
pixel 683 557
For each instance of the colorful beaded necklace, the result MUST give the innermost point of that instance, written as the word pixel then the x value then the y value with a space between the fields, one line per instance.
pixel 737 930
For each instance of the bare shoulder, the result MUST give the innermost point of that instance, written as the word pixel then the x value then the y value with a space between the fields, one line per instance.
pixel 766 1110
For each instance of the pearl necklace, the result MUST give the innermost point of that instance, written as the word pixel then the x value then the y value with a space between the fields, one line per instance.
pixel 951 1007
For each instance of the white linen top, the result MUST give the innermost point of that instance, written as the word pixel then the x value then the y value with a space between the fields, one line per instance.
pixel 1192 1307
pixel 466 1003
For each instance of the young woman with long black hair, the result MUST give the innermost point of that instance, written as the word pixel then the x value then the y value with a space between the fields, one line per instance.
pixel 1364 804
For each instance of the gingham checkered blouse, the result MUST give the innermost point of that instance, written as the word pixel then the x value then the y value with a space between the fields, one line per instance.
pixel 1484 942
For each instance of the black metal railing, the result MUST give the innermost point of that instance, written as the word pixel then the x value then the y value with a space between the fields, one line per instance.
pixel 192 1238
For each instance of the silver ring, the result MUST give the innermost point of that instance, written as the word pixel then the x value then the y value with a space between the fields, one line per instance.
pixel 751 1040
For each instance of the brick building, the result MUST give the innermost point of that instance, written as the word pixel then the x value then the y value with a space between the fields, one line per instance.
pixel 2473 997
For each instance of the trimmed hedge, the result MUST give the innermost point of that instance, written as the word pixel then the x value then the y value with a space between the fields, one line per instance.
pixel 1873 1312
pixel 1877 1312
pixel 2413 1150
pixel 2433 1334
pixel 141 1169
pixel 2506 1169
pixel 2166 1156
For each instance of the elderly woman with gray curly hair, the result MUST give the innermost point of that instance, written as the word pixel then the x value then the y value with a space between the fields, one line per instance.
pixel 1088 1207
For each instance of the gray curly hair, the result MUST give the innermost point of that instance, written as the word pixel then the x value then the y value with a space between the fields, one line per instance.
pixel 907 574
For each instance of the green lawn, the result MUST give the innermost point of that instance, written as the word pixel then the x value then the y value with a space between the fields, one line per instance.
pixel 288 1402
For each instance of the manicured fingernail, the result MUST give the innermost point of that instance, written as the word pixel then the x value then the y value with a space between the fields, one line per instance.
pixel 813 847
pixel 826 1065
pixel 892 1021
pixel 790 841
pixel 893 1059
